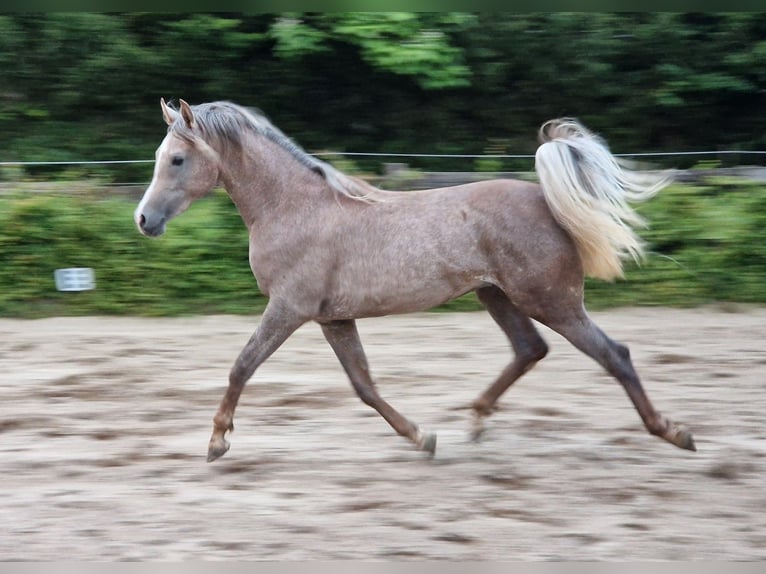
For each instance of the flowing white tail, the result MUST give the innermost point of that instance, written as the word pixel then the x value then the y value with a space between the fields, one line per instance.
pixel 588 192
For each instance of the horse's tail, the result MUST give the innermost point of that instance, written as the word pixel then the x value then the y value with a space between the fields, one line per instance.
pixel 587 191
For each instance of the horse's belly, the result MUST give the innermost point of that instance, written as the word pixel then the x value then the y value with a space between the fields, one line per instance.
pixel 388 298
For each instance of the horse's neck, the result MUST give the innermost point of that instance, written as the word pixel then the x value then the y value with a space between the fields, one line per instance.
pixel 269 186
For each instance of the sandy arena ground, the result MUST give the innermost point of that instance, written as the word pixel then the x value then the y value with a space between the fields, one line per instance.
pixel 104 424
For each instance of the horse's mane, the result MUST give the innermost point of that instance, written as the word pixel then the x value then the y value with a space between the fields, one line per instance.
pixel 226 122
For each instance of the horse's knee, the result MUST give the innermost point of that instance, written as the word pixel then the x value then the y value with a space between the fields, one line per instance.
pixel 367 394
pixel 368 397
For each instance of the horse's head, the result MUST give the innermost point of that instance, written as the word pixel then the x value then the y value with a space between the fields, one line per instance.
pixel 186 168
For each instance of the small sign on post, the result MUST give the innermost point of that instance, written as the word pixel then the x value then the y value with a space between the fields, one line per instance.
pixel 75 279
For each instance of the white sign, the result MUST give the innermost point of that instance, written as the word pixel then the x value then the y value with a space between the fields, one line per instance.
pixel 75 279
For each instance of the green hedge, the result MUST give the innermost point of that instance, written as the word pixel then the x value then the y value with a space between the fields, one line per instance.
pixel 199 266
pixel 707 242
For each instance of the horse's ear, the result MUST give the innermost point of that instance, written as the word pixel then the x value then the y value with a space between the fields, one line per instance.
pixel 187 114
pixel 168 113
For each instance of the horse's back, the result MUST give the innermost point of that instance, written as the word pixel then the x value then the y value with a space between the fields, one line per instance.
pixel 508 217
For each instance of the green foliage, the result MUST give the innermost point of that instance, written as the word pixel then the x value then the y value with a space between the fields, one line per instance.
pixel 410 44
pixel 86 86
pixel 295 39
pixel 706 242
pixel 199 266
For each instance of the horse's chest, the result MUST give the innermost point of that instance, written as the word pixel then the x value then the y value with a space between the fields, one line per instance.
pixel 285 265
pixel 264 269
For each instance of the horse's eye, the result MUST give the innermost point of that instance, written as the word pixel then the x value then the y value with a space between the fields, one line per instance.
pixel 178 160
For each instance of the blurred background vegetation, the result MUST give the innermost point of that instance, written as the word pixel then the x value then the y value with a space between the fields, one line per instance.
pixel 85 86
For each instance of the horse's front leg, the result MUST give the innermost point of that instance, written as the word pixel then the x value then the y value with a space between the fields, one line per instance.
pixel 276 326
pixel 344 340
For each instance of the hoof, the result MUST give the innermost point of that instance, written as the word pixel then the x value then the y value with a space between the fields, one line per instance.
pixel 427 443
pixel 477 427
pixel 682 438
pixel 217 448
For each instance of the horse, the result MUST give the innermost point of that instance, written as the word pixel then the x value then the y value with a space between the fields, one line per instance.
pixel 331 248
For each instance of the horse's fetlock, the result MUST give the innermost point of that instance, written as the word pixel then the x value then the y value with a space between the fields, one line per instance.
pixel 223 422
pixel 482 408
pixel 659 426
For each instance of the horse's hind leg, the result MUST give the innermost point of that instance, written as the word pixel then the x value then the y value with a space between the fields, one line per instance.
pixel 528 346
pixel 344 340
pixel 584 334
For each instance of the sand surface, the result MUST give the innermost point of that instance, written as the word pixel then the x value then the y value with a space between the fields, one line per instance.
pixel 104 424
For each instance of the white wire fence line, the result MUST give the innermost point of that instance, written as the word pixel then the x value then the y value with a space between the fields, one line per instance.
pixel 392 154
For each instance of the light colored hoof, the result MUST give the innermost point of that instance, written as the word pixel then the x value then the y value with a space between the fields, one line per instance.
pixel 427 442
pixel 217 447
pixel 477 427
pixel 682 438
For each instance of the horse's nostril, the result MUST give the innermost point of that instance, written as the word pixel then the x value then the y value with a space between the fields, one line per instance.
pixel 141 221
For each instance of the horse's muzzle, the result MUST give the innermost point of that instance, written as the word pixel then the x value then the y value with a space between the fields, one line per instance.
pixel 152 227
